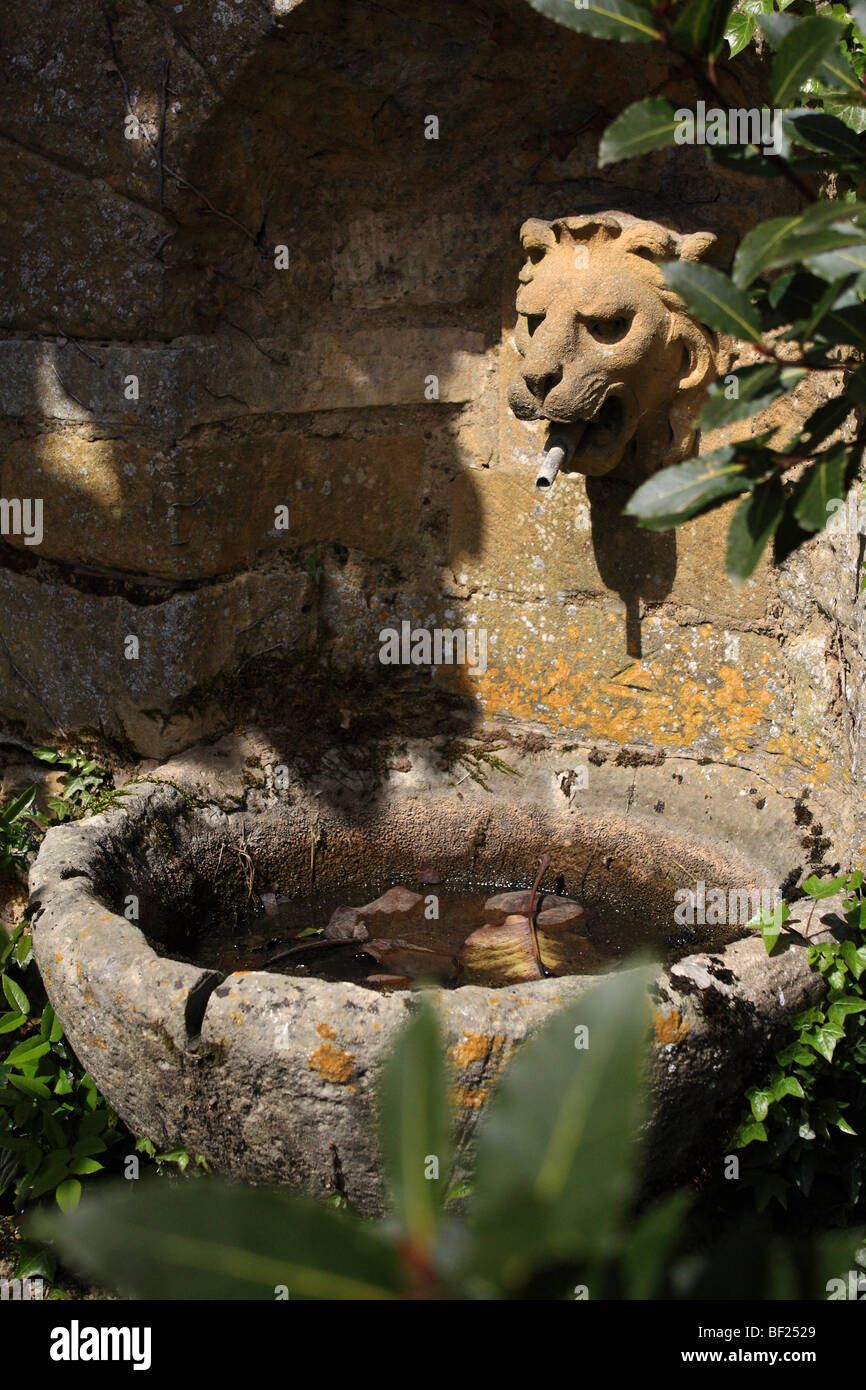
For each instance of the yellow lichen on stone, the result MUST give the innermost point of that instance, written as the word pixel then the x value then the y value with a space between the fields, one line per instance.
pixel 476 1047
pixel 669 1027
pixel 333 1064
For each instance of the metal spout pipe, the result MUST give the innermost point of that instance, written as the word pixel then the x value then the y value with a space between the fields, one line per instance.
pixel 557 453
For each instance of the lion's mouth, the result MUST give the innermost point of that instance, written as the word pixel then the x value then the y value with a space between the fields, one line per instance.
pixel 602 435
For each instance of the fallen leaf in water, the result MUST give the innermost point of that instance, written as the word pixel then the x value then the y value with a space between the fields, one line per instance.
pixel 403 958
pixel 397 899
pixel 346 924
pixel 563 914
pixel 505 951
pixel 502 905
pixel 389 982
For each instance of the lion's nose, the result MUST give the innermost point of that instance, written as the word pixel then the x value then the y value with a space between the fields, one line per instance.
pixel 542 383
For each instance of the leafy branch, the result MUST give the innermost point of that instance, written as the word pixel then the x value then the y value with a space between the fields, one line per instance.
pixel 796 288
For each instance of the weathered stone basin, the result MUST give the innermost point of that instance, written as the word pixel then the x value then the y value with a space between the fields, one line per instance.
pixel 273 1077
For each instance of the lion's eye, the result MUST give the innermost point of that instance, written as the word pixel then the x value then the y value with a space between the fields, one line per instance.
pixel 609 330
pixel 533 321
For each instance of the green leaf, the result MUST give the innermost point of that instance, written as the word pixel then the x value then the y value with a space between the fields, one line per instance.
pixel 759 1102
pixel 740 29
pixel 702 26
pixel 774 27
pixel 757 388
pixel 832 265
pixel 820 131
pixel 68 1195
pixel 840 1010
pixel 819 888
pixel 17 806
pixel 824 1040
pixel 750 1133
pixel 800 54
pixel 15 995
pixel 414 1125
pixel 854 957
pixel 31 1049
pixel 643 126
pixel 211 1240
pixel 824 484
pixel 782 241
pixel 36 1262
pixel 788 1086
pixel 714 299
pixel 556 1160
pixel 30 1087
pixel 603 19
pixel 682 491
pixel 752 525
pixel 47 755
pixel 9 1023
pixel 83 1166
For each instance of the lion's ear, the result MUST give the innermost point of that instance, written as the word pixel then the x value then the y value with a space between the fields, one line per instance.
pixel 694 246
pixel 648 240
pixel 537 235
pixel 701 347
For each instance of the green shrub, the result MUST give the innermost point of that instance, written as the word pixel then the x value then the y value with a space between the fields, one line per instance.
pixel 803 1126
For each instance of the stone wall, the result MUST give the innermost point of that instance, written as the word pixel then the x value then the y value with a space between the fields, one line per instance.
pixel 262 124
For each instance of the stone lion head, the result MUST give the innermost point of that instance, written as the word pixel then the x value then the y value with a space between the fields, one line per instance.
pixel 608 350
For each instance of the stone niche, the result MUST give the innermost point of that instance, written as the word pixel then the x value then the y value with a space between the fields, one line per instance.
pixel 265 256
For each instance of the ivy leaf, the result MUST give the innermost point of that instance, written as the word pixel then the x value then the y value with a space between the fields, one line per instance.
pixel 749 1133
pixel 854 957
pixel 818 889
pixel 752 525
pixel 740 29
pixel 759 1101
pixel 841 1008
pixel 620 20
pixel 714 299
pixel 800 54
pixel 643 126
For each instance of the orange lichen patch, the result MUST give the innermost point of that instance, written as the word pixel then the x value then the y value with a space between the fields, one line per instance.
pixel 333 1064
pixel 58 957
pixel 469 1097
pixel 237 1016
pixel 476 1047
pixel 669 1027
pixel 324 1031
